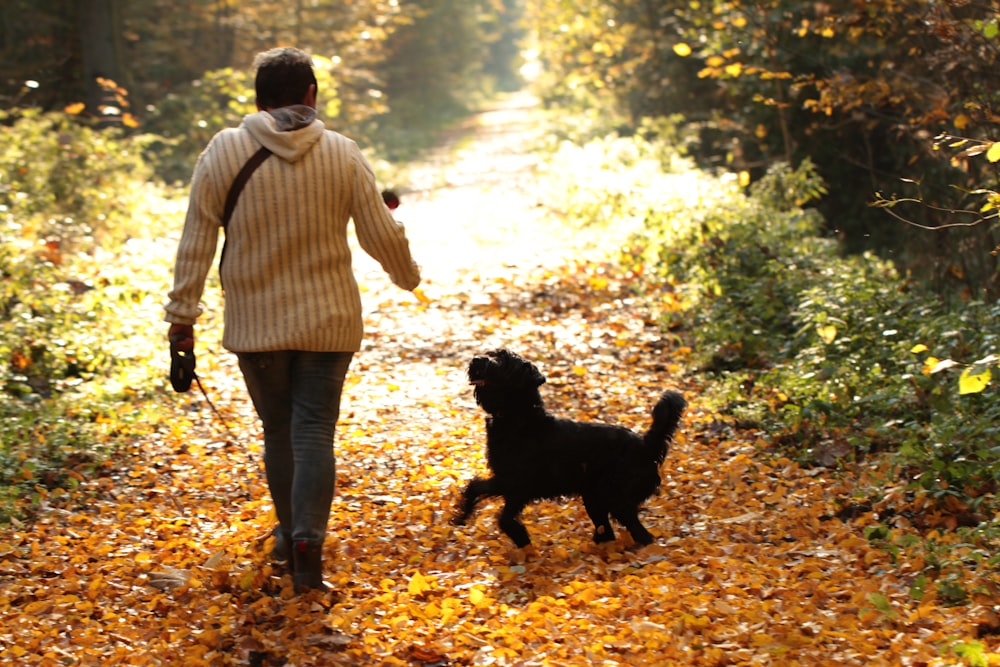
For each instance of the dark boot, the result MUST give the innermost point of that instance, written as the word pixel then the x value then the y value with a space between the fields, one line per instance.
pixel 307 565
pixel 281 552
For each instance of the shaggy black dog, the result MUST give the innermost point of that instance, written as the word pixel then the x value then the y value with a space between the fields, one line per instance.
pixel 534 455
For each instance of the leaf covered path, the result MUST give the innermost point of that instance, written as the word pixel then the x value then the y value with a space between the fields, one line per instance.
pixel 159 558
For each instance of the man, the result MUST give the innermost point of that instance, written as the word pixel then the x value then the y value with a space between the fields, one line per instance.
pixel 292 307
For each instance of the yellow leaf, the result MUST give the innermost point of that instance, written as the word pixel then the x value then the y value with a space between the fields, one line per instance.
pixel 918 348
pixel 961 121
pixel 827 333
pixel 942 365
pixel 682 49
pixel 735 69
pixel 421 297
pixel 579 370
pixel 418 585
pixel 973 380
pixel 75 108
pixel 479 599
pixel 993 154
pixel 744 178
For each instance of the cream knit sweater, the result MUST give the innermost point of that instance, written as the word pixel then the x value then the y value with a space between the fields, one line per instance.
pixel 289 284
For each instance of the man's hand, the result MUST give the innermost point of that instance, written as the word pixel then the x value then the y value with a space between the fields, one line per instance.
pixel 181 337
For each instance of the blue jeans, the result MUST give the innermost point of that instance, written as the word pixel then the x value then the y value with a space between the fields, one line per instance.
pixel 297 397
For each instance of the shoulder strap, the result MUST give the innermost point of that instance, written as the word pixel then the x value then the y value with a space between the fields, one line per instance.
pixel 234 194
pixel 241 179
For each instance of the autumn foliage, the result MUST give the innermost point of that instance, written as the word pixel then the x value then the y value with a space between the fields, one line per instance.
pixel 895 101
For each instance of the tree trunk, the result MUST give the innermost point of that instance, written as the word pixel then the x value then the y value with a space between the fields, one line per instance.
pixel 99 42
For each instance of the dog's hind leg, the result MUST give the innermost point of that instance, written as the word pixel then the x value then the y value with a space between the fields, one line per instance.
pixel 630 519
pixel 476 490
pixel 510 524
pixel 598 513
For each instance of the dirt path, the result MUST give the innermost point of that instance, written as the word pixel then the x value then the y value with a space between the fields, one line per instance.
pixel 477 207
pixel 477 225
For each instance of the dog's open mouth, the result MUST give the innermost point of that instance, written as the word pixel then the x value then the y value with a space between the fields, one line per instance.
pixel 477 383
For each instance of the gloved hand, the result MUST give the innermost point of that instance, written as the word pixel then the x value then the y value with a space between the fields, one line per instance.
pixel 391 199
pixel 181 337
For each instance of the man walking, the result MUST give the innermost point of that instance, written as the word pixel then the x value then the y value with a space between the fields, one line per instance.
pixel 292 306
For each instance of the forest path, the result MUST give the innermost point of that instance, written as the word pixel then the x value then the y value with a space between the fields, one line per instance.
pixel 158 558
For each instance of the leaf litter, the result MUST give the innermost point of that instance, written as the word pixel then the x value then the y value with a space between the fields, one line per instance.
pixel 159 558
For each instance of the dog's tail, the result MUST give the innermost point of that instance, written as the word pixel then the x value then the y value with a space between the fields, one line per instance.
pixel 666 418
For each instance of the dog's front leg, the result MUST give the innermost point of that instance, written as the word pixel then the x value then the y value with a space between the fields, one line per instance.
pixel 510 524
pixel 476 490
pixel 598 513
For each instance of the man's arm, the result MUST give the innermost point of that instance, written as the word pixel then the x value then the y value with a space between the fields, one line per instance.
pixel 378 232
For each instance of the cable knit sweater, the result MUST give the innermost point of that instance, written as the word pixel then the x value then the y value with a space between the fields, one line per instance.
pixel 289 284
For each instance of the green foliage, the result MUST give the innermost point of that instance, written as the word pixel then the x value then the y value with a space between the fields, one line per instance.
pixel 66 182
pixel 77 297
pixel 818 347
pixel 859 89
pixel 443 62
pixel 185 121
pixel 838 358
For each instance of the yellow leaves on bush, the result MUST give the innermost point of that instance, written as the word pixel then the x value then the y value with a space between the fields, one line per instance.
pixel 682 49
pixel 993 154
pixel 827 333
pixel 974 379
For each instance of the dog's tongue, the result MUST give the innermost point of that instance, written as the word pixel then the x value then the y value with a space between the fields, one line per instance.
pixel 477 383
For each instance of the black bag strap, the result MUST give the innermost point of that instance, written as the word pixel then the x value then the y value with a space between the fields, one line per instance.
pixel 234 194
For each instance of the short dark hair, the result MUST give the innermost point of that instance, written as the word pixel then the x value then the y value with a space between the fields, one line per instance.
pixel 283 77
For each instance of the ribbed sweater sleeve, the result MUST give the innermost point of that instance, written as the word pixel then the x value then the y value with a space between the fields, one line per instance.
pixel 379 234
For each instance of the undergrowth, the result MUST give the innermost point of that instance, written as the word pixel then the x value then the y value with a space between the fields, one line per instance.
pixel 839 360
pixel 80 297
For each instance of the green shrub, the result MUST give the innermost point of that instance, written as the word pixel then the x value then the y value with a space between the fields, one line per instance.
pixel 80 289
pixel 67 182
pixel 182 123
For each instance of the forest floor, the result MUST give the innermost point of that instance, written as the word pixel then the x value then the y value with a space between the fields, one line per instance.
pixel 159 558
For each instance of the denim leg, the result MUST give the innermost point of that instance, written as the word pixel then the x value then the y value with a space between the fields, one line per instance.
pixel 318 380
pixel 297 397
pixel 268 382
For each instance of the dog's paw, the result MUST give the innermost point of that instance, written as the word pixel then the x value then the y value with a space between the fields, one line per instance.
pixel 644 538
pixel 521 555
pixel 603 534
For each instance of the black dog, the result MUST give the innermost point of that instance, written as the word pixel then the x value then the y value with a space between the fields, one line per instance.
pixel 534 455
